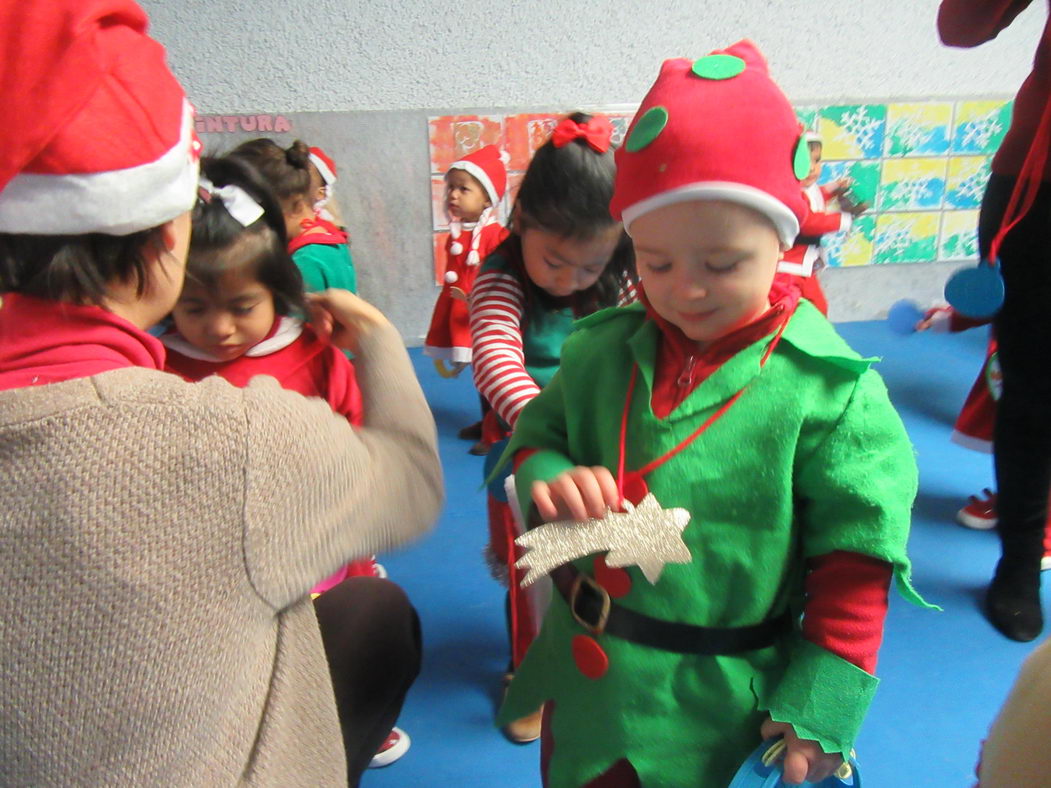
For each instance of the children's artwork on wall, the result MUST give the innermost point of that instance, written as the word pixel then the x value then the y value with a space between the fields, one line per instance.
pixel 922 166
pixel 517 135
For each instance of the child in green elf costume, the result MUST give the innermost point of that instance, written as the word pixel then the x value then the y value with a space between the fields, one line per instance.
pixel 730 485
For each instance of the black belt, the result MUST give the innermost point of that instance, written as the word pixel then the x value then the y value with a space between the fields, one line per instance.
pixel 807 240
pixel 593 609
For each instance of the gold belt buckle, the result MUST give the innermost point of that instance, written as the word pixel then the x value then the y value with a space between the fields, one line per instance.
pixel 599 626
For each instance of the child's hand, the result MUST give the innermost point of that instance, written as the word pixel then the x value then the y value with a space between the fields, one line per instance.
pixel 343 317
pixel 804 759
pixel 841 184
pixel 932 316
pixel 576 494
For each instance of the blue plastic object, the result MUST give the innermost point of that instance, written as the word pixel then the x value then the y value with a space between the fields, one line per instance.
pixel 976 292
pixel 903 316
pixel 755 774
pixel 496 486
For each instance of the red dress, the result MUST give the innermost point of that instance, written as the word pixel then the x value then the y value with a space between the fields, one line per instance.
pixel 449 336
pixel 806 257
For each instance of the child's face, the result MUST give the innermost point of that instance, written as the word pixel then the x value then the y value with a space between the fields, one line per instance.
pixel 225 321
pixel 707 265
pixel 563 266
pixel 815 164
pixel 465 198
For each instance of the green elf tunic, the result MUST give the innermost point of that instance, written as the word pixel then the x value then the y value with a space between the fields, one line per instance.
pixel 324 260
pixel 811 459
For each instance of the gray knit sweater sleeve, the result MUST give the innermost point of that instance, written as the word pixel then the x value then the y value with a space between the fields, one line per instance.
pixel 319 493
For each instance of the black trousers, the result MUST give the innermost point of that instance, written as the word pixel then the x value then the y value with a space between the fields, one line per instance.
pixel 1022 440
pixel 372 640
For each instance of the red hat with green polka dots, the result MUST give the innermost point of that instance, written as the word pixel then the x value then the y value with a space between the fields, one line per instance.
pixel 716 128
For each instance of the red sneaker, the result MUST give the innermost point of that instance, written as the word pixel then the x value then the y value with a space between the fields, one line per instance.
pixel 394 746
pixel 979 513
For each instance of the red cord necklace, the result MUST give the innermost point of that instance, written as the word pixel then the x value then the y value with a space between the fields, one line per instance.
pixel 636 477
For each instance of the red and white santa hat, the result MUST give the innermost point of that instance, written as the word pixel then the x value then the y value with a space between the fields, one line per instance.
pixel 325 165
pixel 487 166
pixel 715 128
pixel 98 134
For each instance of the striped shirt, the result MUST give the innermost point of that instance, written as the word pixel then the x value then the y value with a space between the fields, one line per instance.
pixel 498 357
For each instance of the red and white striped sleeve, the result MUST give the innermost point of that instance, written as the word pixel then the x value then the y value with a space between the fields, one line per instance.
pixel 498 358
pixel 628 293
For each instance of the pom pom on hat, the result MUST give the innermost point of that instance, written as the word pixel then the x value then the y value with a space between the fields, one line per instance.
pixel 325 165
pixel 715 128
pixel 487 166
pixel 98 133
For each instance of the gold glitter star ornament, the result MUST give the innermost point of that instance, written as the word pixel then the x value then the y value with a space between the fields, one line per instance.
pixel 647 536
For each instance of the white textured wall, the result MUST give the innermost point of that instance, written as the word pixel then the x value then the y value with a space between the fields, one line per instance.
pixel 304 55
pixel 412 59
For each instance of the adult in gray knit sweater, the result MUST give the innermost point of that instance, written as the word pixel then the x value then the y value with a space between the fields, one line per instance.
pixel 158 539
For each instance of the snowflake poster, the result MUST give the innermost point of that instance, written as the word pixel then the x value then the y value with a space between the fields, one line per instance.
pixel 921 165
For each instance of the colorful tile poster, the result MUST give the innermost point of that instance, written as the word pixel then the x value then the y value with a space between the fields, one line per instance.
pixel 922 167
pixel 918 129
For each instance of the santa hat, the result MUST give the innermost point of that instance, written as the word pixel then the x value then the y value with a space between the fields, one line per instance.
pixel 98 134
pixel 487 166
pixel 324 165
pixel 716 128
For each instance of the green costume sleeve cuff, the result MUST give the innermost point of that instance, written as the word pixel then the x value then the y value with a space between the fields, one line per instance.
pixel 542 466
pixel 824 697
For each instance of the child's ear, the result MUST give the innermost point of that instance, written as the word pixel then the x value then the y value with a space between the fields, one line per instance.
pixel 168 236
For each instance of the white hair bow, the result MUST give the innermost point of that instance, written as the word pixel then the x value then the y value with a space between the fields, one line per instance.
pixel 236 200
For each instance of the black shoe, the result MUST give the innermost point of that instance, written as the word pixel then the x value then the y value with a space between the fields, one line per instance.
pixel 480 449
pixel 472 432
pixel 1015 612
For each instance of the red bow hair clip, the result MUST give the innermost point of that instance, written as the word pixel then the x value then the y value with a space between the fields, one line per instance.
pixel 597 133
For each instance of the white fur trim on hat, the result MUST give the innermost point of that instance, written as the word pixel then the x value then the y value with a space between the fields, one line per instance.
pixel 326 173
pixel 118 202
pixel 813 136
pixel 473 169
pixel 784 220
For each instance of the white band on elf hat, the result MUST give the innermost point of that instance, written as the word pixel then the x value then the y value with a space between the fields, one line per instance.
pixel 116 202
pixel 784 221
pixel 813 136
pixel 238 203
